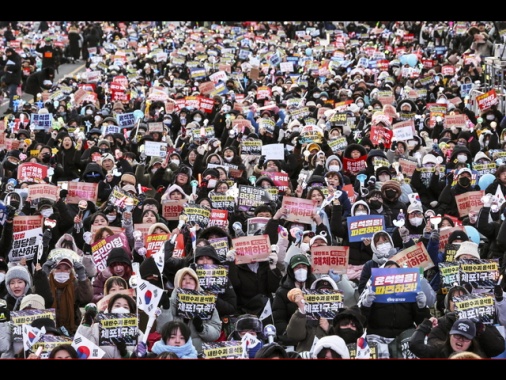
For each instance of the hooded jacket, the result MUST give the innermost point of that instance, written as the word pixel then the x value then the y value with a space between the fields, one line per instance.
pixel 115 255
pixel 212 326
pixel 335 343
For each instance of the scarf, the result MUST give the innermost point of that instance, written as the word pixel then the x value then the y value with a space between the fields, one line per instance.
pixel 186 351
pixel 64 302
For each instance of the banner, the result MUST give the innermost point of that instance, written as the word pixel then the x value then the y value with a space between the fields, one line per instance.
pixel 43 190
pixel 192 303
pixel 82 190
pixel 325 258
pixel 31 172
pixel 24 223
pixel 25 244
pixel 112 326
pixel 154 242
pixel 415 256
pixel 364 226
pixel 392 285
pixel 213 278
pixel 251 248
pixel 323 303
pixel 100 249
pixel 299 210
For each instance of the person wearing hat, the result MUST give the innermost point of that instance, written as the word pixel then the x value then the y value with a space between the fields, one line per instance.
pixel 425 180
pixel 461 338
pixel 119 263
pixel 330 347
pixel 9 167
pixel 51 55
pixel 414 223
pixel 298 275
pixel 447 203
pixel 19 283
pixel 391 191
pixel 490 339
pixel 71 290
pixel 32 301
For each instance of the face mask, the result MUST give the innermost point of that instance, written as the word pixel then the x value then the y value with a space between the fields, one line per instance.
pixel 316 96
pixel 153 171
pixel 211 184
pixel 46 158
pixel 46 213
pixel 61 277
pixel 198 119
pixel 111 218
pixel 167 122
pixel 104 150
pixel 176 162
pixel 183 121
pixel 334 168
pixel 384 178
pixel 464 181
pixel 324 99
pixel 375 204
pixel 390 194
pixel 300 275
pixel 462 158
pixel 349 335
pixel 89 112
pixel 304 247
pixel 416 221
pixel 10 165
pixel 384 248
pixel 360 105
pixel 120 310
pixel 490 117
pixel 358 213
pixel 2 277
pixel 228 159
pixel 295 130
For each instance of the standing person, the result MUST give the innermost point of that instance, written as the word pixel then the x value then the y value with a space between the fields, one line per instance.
pixel 12 76
pixel 75 41
pixel 49 54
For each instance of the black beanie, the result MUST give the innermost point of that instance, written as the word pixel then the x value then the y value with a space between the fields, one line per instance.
pixel 207 250
pixel 118 255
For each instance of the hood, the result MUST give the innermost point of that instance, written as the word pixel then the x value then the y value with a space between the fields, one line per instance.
pixel 334 342
pixel 361 202
pixel 373 244
pixel 351 147
pixel 93 167
pixel 69 238
pixel 375 153
pixel 481 155
pixel 326 278
pixel 333 157
pixel 215 230
pixel 180 274
pixel 208 157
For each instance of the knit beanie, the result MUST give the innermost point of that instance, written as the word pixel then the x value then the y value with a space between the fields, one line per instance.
pixel 18 271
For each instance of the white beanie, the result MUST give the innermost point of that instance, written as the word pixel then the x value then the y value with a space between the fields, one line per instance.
pixel 468 248
pixel 335 343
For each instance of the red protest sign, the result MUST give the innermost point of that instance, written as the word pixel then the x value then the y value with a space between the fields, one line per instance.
pixel 415 256
pixel 154 242
pixel 82 190
pixel 325 258
pixel 251 248
pixel 299 209
pixel 31 172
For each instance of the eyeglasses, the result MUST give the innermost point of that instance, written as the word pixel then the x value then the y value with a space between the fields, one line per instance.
pixel 461 338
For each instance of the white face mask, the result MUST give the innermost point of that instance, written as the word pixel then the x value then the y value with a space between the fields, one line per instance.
pixel 295 130
pixel 304 247
pixel 197 119
pixel 154 170
pixel 176 162
pixel 358 213
pixel 120 310
pixel 300 275
pixel 462 158
pixel 490 117
pixel 89 112
pixel 334 168
pixel 416 221
pixel 46 213
pixel 228 159
pixel 111 218
pixel 211 184
pixel 61 277
pixel 384 248
pixel 2 277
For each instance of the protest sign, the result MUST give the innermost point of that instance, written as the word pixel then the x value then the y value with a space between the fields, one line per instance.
pixel 299 210
pixel 213 278
pixel 82 190
pixel 323 303
pixel 324 258
pixel 251 248
pixel 154 242
pixel 392 285
pixel 113 326
pixel 100 249
pixel 415 256
pixel 364 226
pixel 192 303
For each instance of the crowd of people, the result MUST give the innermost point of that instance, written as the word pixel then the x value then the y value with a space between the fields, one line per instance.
pixel 247 189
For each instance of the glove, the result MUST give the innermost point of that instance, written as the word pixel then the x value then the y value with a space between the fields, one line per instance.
pixel 487 200
pixel 64 193
pixel 498 293
pixel 142 251
pixel 141 350
pixel 197 322
pixel 87 236
pixel 273 260
pixel 80 271
pixel 261 161
pixel 404 233
pixel 369 298
pixel 421 300
pixel 138 244
pixel 46 238
pixel 434 235
pixel 372 181
pixel 231 255
pixel 334 276
pixel 121 345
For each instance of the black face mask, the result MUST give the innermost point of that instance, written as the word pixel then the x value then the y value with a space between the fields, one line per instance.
pixel 104 150
pixel 375 204
pixel 391 194
pixel 348 335
pixel 10 166
pixel 46 158
pixel 464 182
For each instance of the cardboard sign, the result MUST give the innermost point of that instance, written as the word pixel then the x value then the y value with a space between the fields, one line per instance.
pixel 154 242
pixel 469 201
pixel 251 248
pixel 364 226
pixel 415 256
pixel 325 258
pixel 392 285
pixel 25 244
pixel 299 210
pixel 213 278
pixel 31 172
pixel 322 303
pixel 82 190
pixel 100 249
pixel 192 303
pixel 172 209
pixel 28 222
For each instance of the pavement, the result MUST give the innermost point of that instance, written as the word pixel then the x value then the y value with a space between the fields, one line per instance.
pixel 65 70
